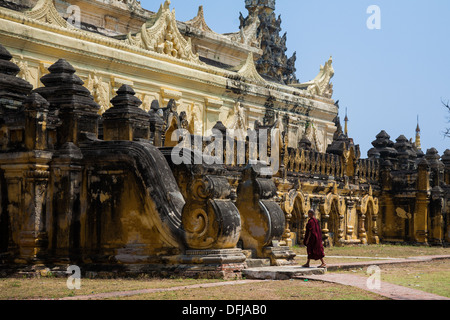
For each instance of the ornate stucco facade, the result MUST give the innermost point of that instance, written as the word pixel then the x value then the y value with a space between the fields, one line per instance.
pixel 88 108
pixel 206 73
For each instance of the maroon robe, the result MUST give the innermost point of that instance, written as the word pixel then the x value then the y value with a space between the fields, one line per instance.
pixel 314 246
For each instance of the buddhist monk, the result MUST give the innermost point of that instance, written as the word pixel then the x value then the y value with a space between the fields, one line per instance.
pixel 313 240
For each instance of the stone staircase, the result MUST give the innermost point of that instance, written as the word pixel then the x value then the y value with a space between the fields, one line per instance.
pixel 260 269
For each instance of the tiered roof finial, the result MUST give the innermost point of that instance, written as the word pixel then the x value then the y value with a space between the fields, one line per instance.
pixel 418 143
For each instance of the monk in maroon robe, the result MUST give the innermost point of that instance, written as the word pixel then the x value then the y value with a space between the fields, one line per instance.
pixel 313 241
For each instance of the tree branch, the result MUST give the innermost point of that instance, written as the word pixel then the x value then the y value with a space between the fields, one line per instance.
pixel 447 105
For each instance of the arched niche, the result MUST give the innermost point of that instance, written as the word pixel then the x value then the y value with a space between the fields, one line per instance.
pixel 333 210
pixel 300 207
pixel 368 220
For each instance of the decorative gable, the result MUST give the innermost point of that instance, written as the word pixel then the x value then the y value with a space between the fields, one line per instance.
pixel 248 70
pixel 45 11
pixel 320 85
pixel 248 33
pixel 199 21
pixel 163 36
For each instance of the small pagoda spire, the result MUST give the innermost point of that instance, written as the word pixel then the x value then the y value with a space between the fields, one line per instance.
pixel 346 123
pixel 418 143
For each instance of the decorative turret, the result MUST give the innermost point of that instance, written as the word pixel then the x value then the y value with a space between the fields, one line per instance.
pixel 125 120
pixel 273 65
pixel 383 147
pixel 405 153
pixel 72 102
pixel 437 167
pixel 13 90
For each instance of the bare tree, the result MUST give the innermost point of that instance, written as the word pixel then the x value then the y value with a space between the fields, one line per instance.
pixel 447 105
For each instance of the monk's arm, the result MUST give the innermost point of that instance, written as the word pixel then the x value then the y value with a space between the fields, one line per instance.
pixel 308 232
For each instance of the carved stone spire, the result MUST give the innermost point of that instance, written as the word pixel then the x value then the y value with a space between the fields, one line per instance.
pixel 273 65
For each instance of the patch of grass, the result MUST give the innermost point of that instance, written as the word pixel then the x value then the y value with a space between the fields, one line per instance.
pixel 380 251
pixel 268 290
pixel 432 277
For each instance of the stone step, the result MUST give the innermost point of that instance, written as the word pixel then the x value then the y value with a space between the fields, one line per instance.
pixel 257 263
pixel 248 253
pixel 280 273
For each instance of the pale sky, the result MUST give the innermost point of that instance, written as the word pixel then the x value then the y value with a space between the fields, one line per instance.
pixel 386 77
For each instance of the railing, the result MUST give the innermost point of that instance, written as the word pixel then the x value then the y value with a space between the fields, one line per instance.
pixel 300 161
pixel 295 161
pixel 368 170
